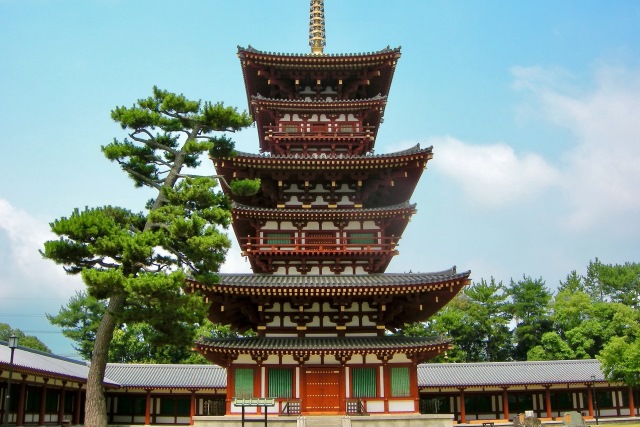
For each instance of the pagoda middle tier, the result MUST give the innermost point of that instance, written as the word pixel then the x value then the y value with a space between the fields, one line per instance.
pixel 323 214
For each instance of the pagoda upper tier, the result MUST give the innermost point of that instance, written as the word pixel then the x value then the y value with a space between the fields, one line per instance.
pixel 317 102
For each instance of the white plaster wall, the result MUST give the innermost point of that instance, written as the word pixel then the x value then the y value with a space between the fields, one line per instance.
pixel 356 359
pixel 401 406
pixel 399 358
pixel 371 358
pixel 314 359
pixel 375 406
pixel 354 322
pixel 245 358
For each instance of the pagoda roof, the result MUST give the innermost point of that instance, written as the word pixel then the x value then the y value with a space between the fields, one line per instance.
pixel 306 162
pixel 321 105
pixel 422 347
pixel 334 285
pixel 325 214
pixel 362 75
pixel 343 60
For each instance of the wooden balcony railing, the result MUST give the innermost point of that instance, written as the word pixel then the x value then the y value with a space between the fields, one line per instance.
pixel 253 244
pixel 319 130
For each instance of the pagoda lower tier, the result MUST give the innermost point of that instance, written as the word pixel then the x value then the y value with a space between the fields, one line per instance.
pixel 322 340
pixel 328 305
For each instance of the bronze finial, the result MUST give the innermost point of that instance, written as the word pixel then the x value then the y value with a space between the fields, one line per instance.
pixel 316 27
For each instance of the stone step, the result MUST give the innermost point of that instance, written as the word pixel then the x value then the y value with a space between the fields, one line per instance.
pixel 323 421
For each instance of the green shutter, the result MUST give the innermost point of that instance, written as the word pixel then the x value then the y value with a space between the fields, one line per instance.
pixel 364 382
pixel 361 238
pixel 400 382
pixel 277 238
pixel 280 382
pixel 244 382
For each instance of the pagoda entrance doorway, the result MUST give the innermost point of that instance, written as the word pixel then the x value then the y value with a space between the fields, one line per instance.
pixel 321 390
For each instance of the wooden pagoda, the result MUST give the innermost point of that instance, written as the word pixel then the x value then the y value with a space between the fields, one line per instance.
pixel 319 235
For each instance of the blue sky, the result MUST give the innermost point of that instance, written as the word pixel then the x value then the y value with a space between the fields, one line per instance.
pixel 533 109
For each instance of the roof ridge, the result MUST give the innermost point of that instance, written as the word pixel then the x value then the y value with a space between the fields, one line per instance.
pixel 387 49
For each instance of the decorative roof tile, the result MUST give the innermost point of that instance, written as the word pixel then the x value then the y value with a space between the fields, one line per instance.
pixel 332 213
pixel 340 156
pixel 353 56
pixel 322 345
pixel 316 280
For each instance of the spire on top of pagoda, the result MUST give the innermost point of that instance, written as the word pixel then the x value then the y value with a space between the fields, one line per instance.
pixel 316 27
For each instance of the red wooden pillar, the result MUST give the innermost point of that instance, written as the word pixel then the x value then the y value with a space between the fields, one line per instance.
pixel 547 400
pixel 463 414
pixel 231 381
pixel 590 399
pixel 632 409
pixel 77 404
pixel 43 402
pixel 21 402
pixel 385 387
pixel 413 381
pixel 505 403
pixel 147 408
pixel 61 403
pixel 192 411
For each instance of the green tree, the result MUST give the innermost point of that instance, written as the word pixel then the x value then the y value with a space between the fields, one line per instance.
pixel 551 347
pixel 24 340
pixel 490 320
pixel 621 283
pixel 530 309
pixel 79 321
pixel 138 261
pixel 476 321
pixel 621 361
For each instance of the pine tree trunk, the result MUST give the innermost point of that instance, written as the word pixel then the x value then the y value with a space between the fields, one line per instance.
pixel 95 414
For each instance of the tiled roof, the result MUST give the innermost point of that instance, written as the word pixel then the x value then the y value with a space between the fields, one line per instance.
pixel 509 373
pixel 409 151
pixel 343 280
pixel 167 376
pixel 353 56
pixel 321 345
pixel 36 362
pixel 341 102
pixel 351 212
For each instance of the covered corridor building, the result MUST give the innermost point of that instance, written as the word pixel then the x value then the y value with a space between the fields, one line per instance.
pixel 48 389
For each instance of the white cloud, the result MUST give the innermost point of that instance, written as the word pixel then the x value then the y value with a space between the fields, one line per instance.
pixel 492 175
pixel 601 169
pixel 25 272
pixel 235 262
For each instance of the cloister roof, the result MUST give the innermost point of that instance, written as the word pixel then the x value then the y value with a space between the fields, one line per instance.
pixel 509 373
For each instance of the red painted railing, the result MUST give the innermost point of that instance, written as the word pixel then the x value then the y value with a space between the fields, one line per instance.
pixel 252 244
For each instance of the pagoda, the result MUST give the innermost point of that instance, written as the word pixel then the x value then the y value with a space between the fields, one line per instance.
pixel 319 235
